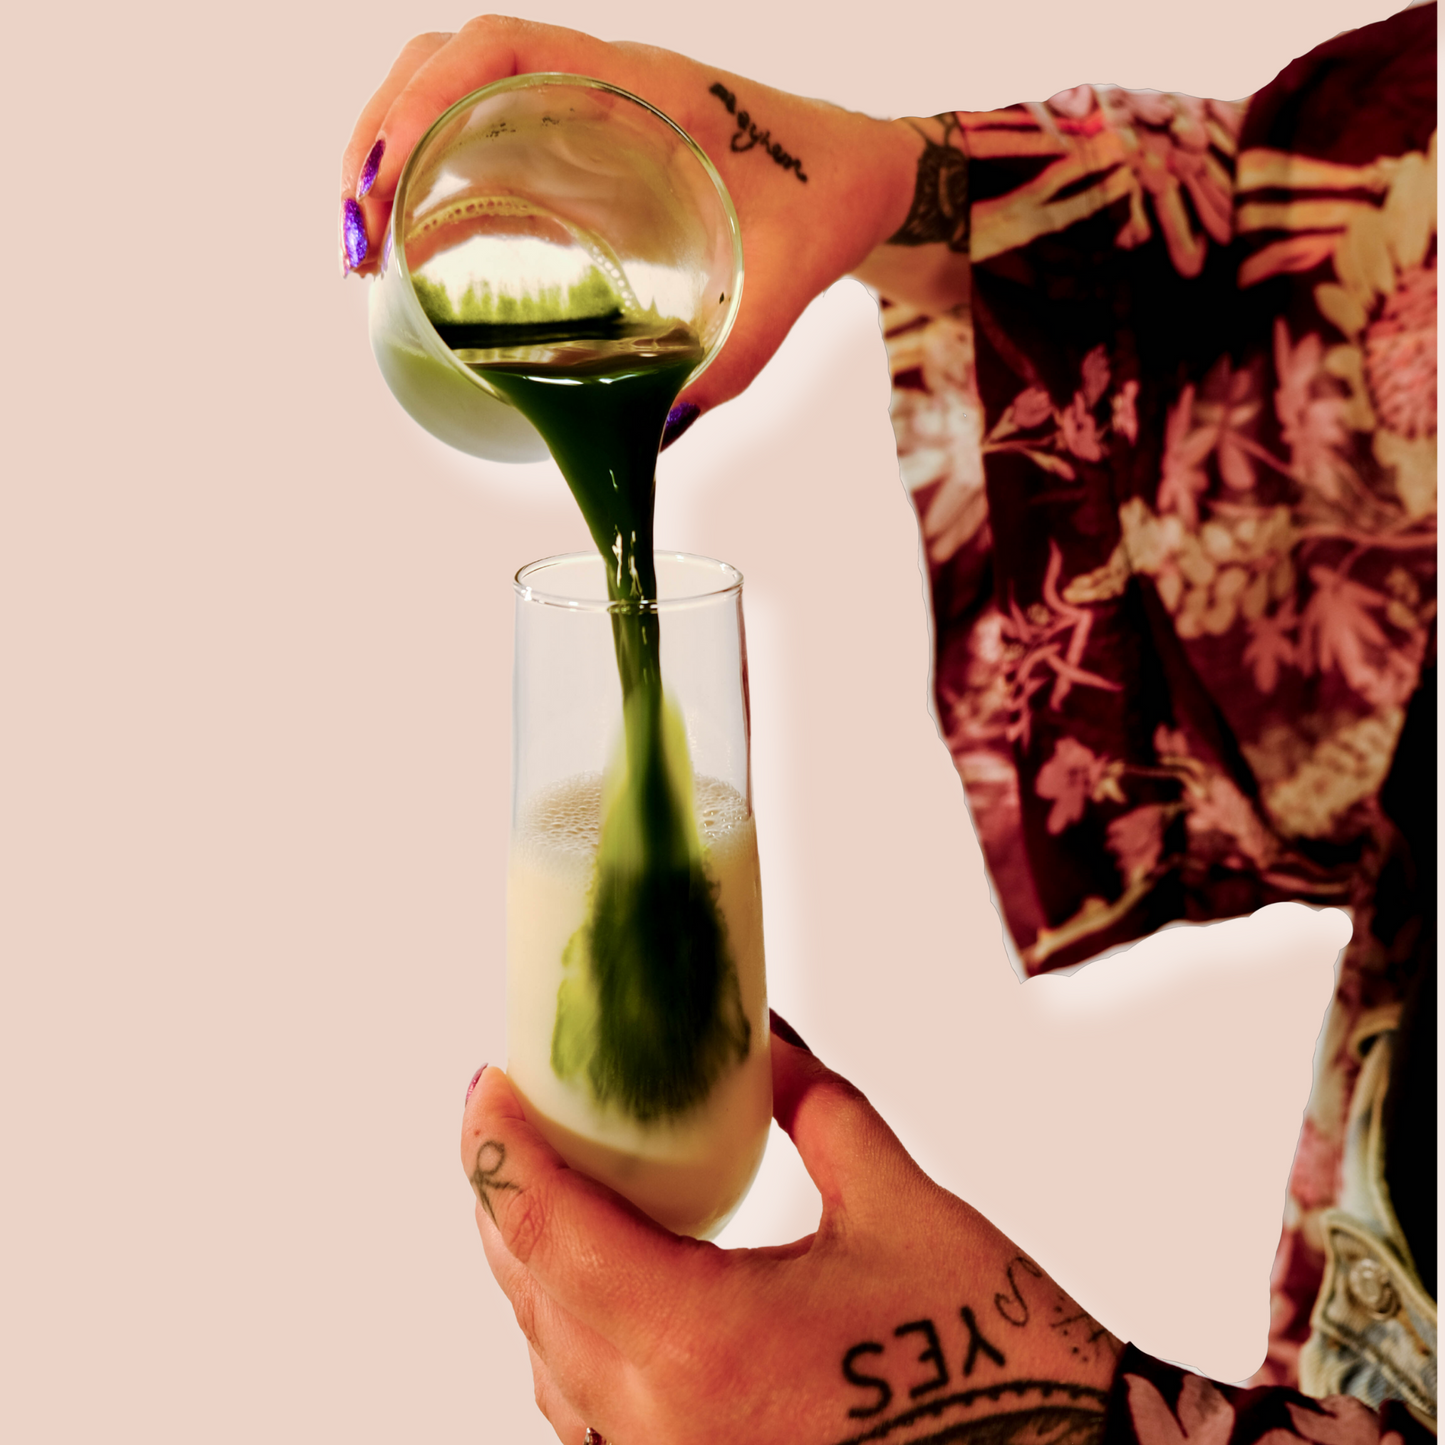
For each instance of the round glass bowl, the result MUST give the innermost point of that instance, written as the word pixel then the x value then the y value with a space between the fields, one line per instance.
pixel 536 212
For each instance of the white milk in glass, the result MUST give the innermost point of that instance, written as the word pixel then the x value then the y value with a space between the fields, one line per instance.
pixel 689 1172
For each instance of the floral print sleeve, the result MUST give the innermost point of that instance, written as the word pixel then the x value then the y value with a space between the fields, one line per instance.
pixel 1175 469
pixel 1154 1403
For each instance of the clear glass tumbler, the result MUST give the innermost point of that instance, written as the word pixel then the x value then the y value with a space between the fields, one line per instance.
pixel 688 1168
pixel 541 213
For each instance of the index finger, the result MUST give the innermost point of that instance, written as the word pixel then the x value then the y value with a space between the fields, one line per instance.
pixel 365 133
pixel 592 1252
pixel 488 48
pixel 362 217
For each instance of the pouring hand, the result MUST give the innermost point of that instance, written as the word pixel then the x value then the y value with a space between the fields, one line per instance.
pixel 905 1307
pixel 817 188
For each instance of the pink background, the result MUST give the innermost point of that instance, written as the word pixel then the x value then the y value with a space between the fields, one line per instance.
pixel 255 641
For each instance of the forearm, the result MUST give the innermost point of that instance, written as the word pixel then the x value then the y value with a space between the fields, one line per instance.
pixel 819 187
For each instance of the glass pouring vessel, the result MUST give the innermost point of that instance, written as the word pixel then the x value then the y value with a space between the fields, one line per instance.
pixel 541 213
pixel 703 1033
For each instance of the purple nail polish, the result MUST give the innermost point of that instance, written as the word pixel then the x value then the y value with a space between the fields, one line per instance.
pixel 679 419
pixel 472 1087
pixel 786 1031
pixel 369 167
pixel 353 232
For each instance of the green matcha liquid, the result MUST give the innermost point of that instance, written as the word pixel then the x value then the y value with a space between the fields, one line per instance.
pixel 649 1012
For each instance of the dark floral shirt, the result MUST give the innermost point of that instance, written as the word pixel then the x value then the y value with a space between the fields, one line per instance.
pixel 1175 469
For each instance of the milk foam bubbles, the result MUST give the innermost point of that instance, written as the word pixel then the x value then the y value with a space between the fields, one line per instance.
pixel 690 1172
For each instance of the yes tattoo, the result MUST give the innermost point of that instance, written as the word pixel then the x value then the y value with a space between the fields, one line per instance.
pixel 486 1175
pixel 931 1355
pixel 976 1343
pixel 855 1376
pixel 748 135
pixel 993 1407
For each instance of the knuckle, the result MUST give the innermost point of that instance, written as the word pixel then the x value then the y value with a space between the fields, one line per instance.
pixel 843 1096
pixel 425 42
pixel 524 1222
pixel 485 26
pixel 524 1307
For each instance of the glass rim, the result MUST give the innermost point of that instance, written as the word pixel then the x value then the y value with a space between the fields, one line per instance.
pixel 421 322
pixel 729 584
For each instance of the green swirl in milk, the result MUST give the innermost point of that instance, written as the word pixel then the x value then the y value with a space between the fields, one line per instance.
pixel 649 1013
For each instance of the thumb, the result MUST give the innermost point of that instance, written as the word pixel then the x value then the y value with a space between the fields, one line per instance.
pixel 772 303
pixel 852 1156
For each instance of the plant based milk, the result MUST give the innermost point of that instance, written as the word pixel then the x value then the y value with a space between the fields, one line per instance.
pixel 690 1170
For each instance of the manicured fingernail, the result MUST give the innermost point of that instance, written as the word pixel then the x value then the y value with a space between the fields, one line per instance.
pixel 472 1087
pixel 369 167
pixel 679 419
pixel 786 1031
pixel 353 233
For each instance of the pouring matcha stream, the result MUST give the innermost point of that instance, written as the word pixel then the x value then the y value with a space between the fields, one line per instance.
pixel 649 1013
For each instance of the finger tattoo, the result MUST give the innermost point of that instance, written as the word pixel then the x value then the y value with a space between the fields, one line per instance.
pixel 486 1175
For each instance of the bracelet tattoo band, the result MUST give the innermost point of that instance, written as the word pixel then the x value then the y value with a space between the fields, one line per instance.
pixel 940 192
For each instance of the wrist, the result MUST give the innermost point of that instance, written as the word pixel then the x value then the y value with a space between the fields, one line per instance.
pixel 923 259
pixel 835 183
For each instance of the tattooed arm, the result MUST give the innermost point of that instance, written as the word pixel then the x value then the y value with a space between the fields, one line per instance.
pixel 924 263
pixel 906 1318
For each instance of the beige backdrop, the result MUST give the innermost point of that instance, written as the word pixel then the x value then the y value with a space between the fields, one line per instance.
pixel 256 650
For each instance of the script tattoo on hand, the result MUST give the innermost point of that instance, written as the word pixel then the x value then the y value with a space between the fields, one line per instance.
pixel 747 135
pixel 1085 1335
pixel 1013 1306
pixel 940 192
pixel 486 1175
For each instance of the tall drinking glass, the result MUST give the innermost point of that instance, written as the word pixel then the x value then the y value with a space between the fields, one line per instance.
pixel 697 1022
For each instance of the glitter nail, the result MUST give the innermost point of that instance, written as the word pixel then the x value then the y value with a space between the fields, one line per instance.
pixel 353 232
pixel 679 419
pixel 367 179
